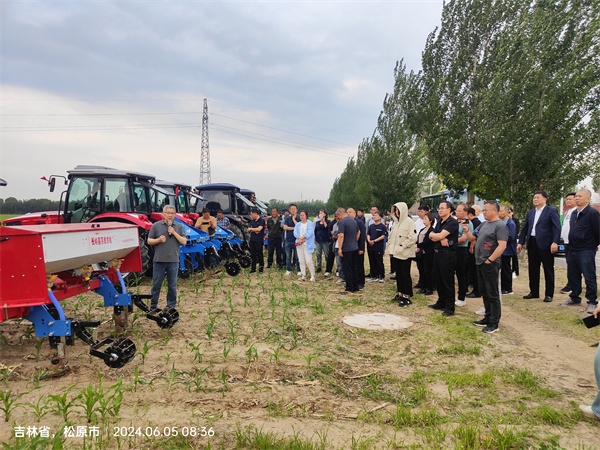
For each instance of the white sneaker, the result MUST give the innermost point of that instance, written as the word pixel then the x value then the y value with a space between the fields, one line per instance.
pixel 312 279
pixel 370 280
pixel 381 280
pixel 587 412
pixel 288 273
pixel 480 311
pixel 326 274
pixel 460 303
pixel 302 278
pixel 299 274
pixel 515 275
pixel 340 281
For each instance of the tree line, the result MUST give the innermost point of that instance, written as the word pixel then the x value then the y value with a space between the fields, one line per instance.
pixel 507 102
pixel 13 206
pixel 311 206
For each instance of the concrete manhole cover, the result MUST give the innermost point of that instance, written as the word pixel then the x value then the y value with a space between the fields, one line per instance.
pixel 377 321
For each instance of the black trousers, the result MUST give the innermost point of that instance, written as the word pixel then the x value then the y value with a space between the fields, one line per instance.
pixel 419 261
pixel 506 273
pixel 488 282
pixel 349 266
pixel 256 252
pixel 462 271
pixel 444 267
pixel 536 258
pixel 376 264
pixel 428 270
pixel 360 269
pixel 473 278
pixel 403 279
pixel 330 258
pixel 275 246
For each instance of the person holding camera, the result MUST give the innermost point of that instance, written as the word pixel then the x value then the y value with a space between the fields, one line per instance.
pixel 166 236
pixel 206 222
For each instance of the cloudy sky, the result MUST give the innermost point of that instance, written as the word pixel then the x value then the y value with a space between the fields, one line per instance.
pixel 292 87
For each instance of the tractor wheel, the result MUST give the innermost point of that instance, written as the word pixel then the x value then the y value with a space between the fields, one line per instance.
pixel 245 261
pixel 134 278
pixel 232 268
pixel 121 351
pixel 189 268
pixel 240 231
pixel 168 317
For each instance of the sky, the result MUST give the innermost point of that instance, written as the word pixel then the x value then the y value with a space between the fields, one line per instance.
pixel 293 87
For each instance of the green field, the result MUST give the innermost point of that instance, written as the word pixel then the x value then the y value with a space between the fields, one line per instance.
pixel 3 217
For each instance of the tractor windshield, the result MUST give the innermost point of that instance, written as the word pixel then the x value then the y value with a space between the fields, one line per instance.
pixel 83 199
pixel 117 195
pixel 215 200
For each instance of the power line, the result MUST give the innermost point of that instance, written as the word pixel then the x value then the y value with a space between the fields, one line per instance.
pixel 279 129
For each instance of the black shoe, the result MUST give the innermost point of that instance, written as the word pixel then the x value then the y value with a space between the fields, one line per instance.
pixel 428 292
pixel 447 313
pixel 361 287
pixel 547 299
pixel 398 298
pixel 260 270
pixel 565 290
pixel 418 286
pixel 421 291
pixel 507 292
pixel 436 306
pixel 472 295
pixel 405 302
pixel 318 270
pixel 480 323
pixel 393 277
pixel 490 329
pixel 252 271
pixel 530 295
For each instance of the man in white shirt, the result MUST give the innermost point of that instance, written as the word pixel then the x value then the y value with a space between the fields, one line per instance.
pixel 570 206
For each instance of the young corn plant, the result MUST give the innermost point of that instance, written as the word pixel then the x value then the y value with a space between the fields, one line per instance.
pixel 9 403
pixel 172 378
pixel 62 405
pixel 40 408
pixel 251 354
pixel 226 351
pixel 89 397
pixel 198 379
pixel 196 349
pixel 145 349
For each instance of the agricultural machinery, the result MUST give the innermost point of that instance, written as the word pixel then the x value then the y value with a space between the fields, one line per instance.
pixel 251 197
pixel 227 197
pixel 42 265
pixel 181 196
pixel 97 194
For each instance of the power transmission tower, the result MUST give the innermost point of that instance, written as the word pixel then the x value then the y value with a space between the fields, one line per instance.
pixel 205 150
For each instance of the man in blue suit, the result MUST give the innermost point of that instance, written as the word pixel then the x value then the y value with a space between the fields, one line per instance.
pixel 541 230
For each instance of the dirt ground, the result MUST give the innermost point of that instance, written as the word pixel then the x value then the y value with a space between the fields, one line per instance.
pixel 266 362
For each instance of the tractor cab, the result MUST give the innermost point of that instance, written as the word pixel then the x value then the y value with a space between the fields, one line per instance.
pixel 180 196
pixel 226 197
pixel 256 203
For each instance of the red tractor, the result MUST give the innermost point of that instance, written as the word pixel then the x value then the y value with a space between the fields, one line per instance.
pixel 102 194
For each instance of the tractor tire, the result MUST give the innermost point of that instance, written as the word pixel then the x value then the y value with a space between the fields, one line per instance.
pixel 134 278
pixel 240 231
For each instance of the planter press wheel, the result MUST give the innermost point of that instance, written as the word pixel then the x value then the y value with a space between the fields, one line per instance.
pixel 245 261
pixel 232 268
pixel 168 317
pixel 121 352
pixel 189 268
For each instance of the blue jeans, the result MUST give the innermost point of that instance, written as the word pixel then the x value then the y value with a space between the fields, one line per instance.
pixel 322 247
pixel 159 270
pixel 596 402
pixel 291 257
pixel 582 262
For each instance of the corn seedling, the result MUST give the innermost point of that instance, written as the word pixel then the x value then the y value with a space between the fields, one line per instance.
pixel 232 326
pixel 89 397
pixel 40 409
pixel 275 354
pixel 223 381
pixel 172 378
pixel 196 382
pixel 196 350
pixel 9 403
pixel 28 334
pixel 62 405
pixel 251 354
pixel 145 349
pixel 226 351
pixel 137 380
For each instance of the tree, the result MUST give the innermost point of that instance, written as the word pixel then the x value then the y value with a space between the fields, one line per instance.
pixel 390 165
pixel 508 96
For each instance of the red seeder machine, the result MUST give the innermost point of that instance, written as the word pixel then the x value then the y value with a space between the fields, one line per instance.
pixel 41 265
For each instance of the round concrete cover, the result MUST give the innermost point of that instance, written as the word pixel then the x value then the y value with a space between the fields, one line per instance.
pixel 377 321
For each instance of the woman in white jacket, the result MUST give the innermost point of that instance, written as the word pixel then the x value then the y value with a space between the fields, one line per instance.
pixel 401 247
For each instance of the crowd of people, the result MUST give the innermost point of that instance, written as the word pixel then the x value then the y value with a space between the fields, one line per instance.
pixel 476 247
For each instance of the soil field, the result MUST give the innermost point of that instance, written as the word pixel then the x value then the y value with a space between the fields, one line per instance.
pixel 264 361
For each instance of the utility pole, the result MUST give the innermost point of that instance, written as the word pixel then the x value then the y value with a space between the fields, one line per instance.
pixel 205 150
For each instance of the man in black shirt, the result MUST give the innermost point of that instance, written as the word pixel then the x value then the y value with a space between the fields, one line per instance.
pixel 473 280
pixel 445 237
pixel 348 248
pixel 362 239
pixel 275 243
pixel 257 238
